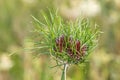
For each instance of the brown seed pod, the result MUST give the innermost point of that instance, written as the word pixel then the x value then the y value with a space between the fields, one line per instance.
pixel 70 52
pixel 77 45
pixel 83 50
pixel 60 42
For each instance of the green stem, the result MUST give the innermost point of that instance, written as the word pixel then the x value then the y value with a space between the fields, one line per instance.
pixel 63 77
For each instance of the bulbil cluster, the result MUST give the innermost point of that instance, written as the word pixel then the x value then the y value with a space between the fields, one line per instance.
pixel 66 41
pixel 71 48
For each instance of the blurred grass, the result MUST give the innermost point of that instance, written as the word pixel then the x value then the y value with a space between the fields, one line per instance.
pixel 15 25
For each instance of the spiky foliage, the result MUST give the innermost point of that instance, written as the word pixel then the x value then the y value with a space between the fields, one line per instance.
pixel 67 41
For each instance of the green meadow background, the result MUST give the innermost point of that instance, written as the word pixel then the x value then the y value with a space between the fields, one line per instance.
pixel 18 61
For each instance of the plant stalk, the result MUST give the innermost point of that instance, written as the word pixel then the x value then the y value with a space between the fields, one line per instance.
pixel 63 77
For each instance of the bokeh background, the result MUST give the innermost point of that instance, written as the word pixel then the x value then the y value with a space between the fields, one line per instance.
pixel 19 62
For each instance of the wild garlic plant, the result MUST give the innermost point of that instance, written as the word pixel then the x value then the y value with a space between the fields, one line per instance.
pixel 68 42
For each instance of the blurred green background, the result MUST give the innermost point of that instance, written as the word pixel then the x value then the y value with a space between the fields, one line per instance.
pixel 19 62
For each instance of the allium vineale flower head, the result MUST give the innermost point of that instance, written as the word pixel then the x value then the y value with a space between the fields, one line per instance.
pixel 67 41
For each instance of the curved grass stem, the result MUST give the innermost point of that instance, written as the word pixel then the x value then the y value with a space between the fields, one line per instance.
pixel 63 77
